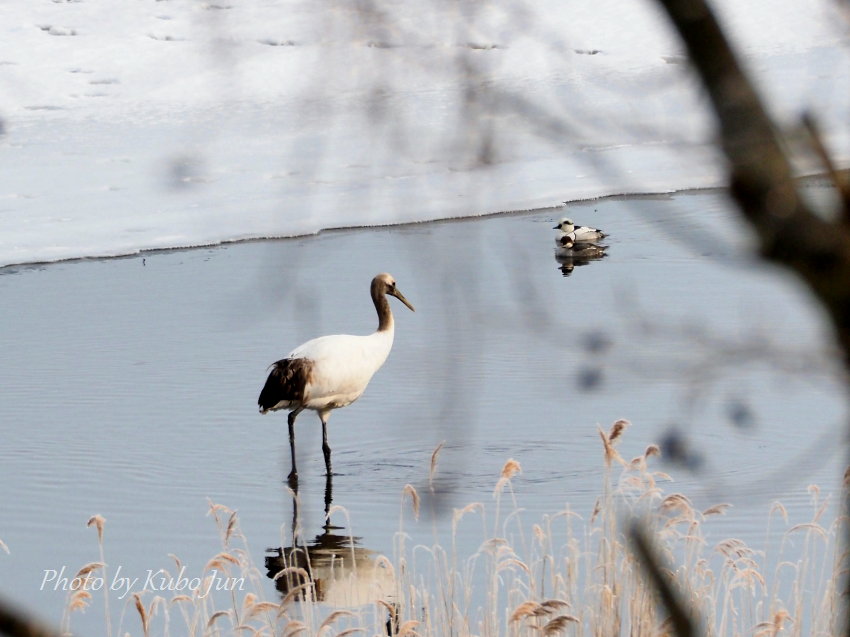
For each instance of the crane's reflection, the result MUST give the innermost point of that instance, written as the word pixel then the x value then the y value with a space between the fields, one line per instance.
pixel 332 567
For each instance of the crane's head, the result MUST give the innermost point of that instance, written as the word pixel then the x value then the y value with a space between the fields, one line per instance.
pixel 385 284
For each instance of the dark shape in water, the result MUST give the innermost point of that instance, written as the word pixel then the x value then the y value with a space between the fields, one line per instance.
pixel 596 342
pixel 740 414
pixel 590 378
pixel 676 448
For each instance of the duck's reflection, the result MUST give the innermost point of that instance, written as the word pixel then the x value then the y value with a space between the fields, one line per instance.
pixel 571 252
pixel 568 263
pixel 332 567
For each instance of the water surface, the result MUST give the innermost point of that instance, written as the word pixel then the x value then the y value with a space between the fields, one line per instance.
pixel 130 385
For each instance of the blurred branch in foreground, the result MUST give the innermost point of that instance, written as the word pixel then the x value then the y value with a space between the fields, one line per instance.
pixel 682 623
pixel 14 624
pixel 814 246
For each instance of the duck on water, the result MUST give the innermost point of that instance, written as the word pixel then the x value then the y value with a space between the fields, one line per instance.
pixel 578 233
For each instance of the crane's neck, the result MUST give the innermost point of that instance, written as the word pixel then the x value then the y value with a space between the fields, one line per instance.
pixel 382 306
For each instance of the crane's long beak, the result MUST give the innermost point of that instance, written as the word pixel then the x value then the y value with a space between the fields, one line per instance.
pixel 397 294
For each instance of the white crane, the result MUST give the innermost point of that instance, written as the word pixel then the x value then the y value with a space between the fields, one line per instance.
pixel 330 372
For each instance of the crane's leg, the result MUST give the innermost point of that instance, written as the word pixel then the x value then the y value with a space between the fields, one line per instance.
pixel 326 449
pixel 329 498
pixel 293 474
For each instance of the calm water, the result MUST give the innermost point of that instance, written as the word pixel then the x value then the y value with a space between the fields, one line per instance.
pixel 130 385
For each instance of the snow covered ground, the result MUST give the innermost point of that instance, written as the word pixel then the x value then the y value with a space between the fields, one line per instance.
pixel 171 123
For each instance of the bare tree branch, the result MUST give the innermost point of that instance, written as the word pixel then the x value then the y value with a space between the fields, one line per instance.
pixel 839 179
pixel 680 620
pixel 14 624
pixel 761 179
pixel 815 247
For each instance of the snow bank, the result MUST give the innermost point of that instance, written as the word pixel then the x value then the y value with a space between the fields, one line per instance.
pixel 175 123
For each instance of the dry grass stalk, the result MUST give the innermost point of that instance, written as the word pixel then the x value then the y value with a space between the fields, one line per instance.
pixel 534 609
pixel 773 627
pixel 382 561
pixel 509 470
pixel 248 603
pixel 734 549
pixel 156 603
pixel 526 609
pixel 678 502
pixel 559 624
pixel 674 522
pixel 717 509
pixel 97 521
pixel 512 561
pixel 821 510
pixel 215 508
pixel 294 627
pixel 143 613
pixel 611 454
pixel 459 513
pixel 231 526
pixel 392 611
pixel 81 579
pixel 410 490
pixel 597 508
pixel 617 430
pixel 263 607
pixel 809 526
pixel 494 545
pixel 551 605
pixel 778 506
pixel 79 600
pixel 433 471
pixel 294 593
pixel 350 631
pixel 539 533
pixel 219 562
pixel 334 616
pixel 227 529
pixel 176 561
pixel 814 491
pixel 4 547
pixel 407 628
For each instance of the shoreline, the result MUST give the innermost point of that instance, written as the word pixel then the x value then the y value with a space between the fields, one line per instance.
pixel 335 229
pixel 803 179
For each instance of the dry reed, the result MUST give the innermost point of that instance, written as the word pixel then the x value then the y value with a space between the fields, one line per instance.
pixel 567 576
